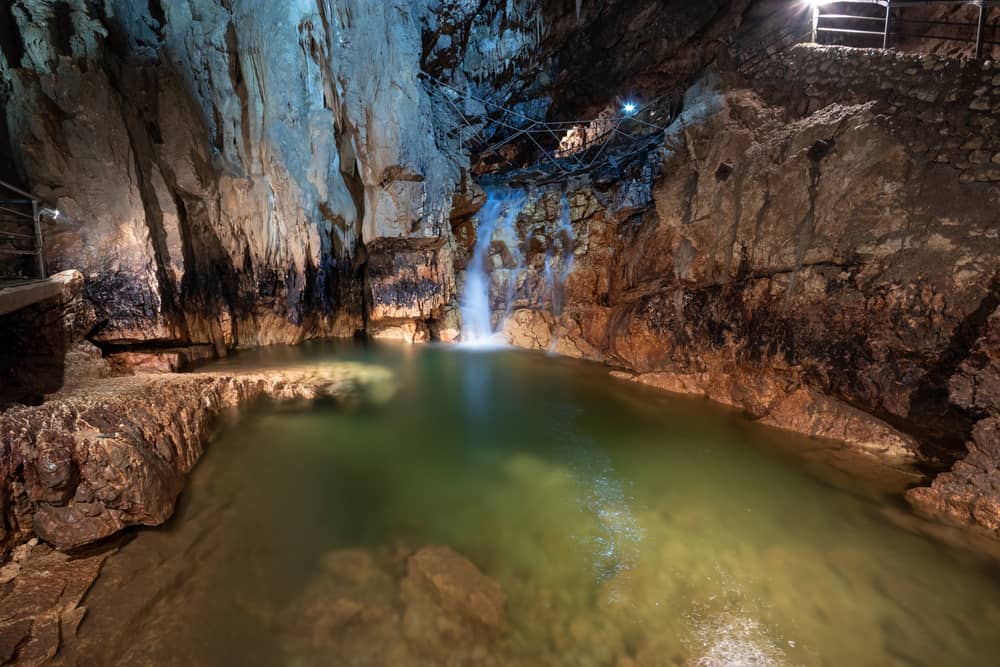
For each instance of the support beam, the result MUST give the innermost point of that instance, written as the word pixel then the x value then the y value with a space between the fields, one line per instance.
pixel 38 240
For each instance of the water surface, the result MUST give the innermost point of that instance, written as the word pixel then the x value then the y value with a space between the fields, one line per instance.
pixel 625 527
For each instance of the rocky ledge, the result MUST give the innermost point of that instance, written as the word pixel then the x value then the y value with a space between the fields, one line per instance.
pixel 969 494
pixel 95 460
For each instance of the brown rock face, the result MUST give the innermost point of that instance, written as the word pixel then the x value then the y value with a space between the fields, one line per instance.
pixel 85 465
pixel 41 608
pixel 969 494
pixel 811 253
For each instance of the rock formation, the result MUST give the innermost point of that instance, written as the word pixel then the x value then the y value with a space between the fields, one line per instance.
pixel 113 454
pixel 43 346
pixel 809 253
pixel 442 611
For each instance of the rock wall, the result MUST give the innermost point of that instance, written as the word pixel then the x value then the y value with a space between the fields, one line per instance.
pixel 820 250
pixel 225 169
pixel 243 172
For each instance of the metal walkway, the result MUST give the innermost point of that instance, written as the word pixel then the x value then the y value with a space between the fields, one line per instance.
pixel 626 132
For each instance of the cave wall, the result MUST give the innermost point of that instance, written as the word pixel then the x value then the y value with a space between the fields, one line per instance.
pixel 225 168
pixel 816 243
pixel 244 172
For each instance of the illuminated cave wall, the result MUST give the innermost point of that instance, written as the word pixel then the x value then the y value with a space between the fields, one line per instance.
pixel 242 172
pixel 222 163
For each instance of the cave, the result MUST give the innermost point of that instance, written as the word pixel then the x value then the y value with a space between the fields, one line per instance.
pixel 629 333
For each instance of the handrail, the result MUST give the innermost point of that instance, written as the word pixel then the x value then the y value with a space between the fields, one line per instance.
pixel 19 214
pixel 19 191
pixel 893 15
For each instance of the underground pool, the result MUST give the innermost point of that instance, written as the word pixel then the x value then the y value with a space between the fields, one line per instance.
pixel 500 507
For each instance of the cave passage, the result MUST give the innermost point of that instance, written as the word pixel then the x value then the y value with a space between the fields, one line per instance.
pixel 513 508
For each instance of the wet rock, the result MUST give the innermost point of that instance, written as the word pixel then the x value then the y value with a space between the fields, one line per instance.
pixel 386 606
pixel 812 413
pixel 40 609
pixel 457 586
pixel 95 460
pixel 170 360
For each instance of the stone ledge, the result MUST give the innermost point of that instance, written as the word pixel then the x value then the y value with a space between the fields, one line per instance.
pixel 116 453
pixel 800 410
pixel 22 295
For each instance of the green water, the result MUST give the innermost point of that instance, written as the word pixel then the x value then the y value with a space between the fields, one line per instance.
pixel 626 527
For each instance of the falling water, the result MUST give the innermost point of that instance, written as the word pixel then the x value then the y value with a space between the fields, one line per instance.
pixel 499 212
pixel 558 264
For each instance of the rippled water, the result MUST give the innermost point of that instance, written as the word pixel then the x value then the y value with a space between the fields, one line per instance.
pixel 625 528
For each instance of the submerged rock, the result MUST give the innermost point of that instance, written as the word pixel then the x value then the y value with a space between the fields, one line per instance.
pixel 363 609
pixel 458 590
pixel 41 608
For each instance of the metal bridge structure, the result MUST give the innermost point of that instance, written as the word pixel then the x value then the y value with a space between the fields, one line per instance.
pixel 609 138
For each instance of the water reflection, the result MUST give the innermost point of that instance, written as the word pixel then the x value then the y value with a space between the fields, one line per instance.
pixel 616 546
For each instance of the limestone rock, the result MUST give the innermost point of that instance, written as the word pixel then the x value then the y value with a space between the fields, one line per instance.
pixel 458 586
pixel 40 609
pixel 87 464
pixel 388 606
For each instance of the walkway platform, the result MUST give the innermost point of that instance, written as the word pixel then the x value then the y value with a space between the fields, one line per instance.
pixel 15 295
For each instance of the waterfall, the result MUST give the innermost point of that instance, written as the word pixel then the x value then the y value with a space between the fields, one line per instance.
pixel 558 264
pixel 499 213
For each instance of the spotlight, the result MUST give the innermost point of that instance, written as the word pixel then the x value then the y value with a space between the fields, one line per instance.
pixel 629 108
pixel 51 213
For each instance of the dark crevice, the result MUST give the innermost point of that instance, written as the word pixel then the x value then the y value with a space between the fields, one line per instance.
pixel 807 228
pixel 157 14
pixel 930 404
pixel 62 28
pixel 690 190
pixel 11 44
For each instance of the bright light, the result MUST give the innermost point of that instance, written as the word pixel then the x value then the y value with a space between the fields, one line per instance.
pixel 818 3
pixel 630 107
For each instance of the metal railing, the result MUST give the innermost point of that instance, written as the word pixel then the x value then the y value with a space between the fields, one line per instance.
pixel 893 23
pixel 20 210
